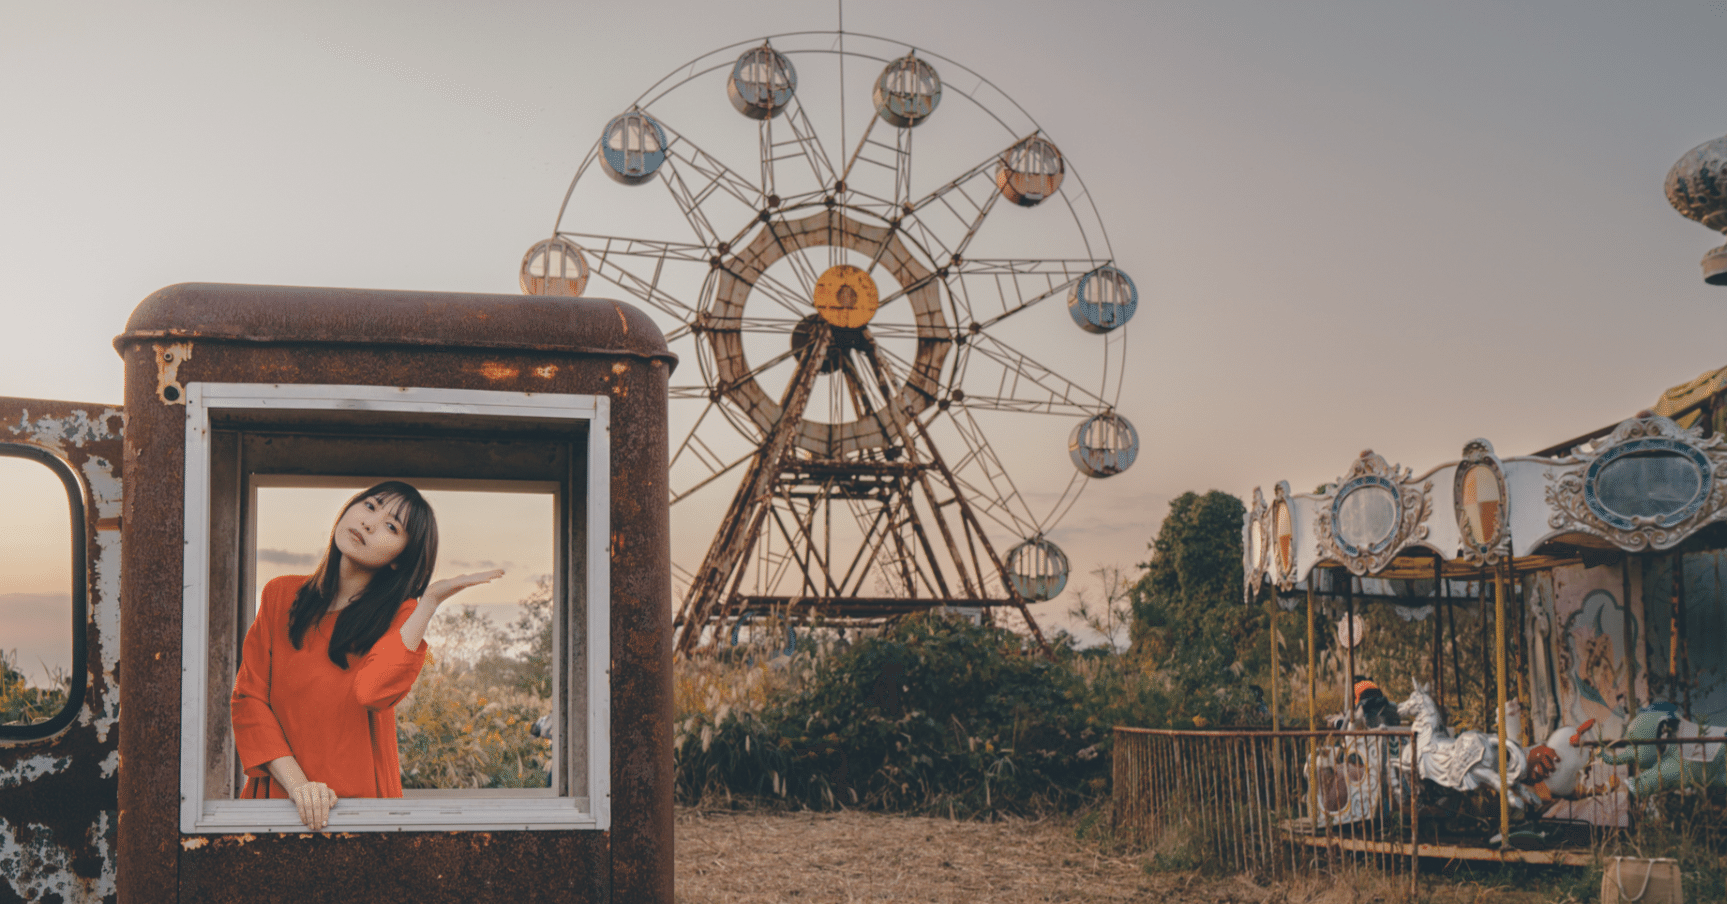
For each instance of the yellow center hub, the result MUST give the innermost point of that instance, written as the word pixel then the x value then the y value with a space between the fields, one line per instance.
pixel 846 297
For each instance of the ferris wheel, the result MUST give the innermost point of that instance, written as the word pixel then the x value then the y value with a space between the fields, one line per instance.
pixel 879 351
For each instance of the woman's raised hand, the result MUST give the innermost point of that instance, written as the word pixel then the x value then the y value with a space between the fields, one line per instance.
pixel 448 587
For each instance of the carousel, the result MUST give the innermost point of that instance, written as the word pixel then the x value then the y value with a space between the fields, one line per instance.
pixel 1573 555
pixel 1506 658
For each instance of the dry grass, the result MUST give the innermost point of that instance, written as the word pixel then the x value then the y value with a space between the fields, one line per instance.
pixel 743 857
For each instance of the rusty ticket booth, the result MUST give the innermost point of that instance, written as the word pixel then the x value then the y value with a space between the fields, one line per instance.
pixel 232 388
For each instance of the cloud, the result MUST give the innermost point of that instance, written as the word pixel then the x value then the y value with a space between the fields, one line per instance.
pixel 284 557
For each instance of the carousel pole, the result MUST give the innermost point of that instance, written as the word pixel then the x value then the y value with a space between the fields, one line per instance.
pixel 1625 633
pixel 1499 681
pixel 1276 711
pixel 1349 673
pixel 1312 711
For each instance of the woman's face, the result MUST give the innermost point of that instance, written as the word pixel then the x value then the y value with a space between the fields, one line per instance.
pixel 370 533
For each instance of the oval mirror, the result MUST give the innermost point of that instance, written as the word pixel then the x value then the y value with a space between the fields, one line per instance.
pixel 1366 516
pixel 1648 484
pixel 1284 532
pixel 1483 505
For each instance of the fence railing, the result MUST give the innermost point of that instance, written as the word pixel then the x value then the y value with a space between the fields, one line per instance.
pixel 1271 803
pixel 1268 803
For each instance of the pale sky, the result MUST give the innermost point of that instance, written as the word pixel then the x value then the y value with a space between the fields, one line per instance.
pixel 1352 225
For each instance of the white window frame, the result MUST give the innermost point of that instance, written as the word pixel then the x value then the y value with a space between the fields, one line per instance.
pixel 433 813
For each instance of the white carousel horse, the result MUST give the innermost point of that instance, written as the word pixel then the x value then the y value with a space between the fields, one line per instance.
pixel 1465 762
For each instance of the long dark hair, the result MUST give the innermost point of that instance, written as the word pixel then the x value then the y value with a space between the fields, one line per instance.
pixel 361 623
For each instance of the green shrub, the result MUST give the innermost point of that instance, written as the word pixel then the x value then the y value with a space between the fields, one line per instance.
pixel 23 704
pixel 935 715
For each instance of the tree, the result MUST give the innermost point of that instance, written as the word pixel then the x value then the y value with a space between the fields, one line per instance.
pixel 1189 621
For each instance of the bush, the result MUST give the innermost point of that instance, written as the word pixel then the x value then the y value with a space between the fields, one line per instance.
pixel 935 715
pixel 23 704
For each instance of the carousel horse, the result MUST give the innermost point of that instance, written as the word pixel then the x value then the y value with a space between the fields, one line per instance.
pixel 1666 767
pixel 1465 762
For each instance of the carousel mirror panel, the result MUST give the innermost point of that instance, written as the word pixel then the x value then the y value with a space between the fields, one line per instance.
pixel 1661 480
pixel 1366 513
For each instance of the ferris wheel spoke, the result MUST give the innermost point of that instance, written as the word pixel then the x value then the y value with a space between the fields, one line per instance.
pixel 719 176
pixel 996 494
pixel 1015 285
pixel 1026 385
pixel 804 144
pixel 609 264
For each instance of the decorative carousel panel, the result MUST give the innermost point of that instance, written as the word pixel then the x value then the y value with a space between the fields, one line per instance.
pixel 1482 501
pixel 1376 510
pixel 1254 544
pixel 1649 485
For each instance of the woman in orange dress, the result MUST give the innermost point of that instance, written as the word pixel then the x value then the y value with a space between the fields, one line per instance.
pixel 331 654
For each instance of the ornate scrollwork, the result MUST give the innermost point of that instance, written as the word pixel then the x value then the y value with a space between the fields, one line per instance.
pixel 1573 489
pixel 1254 546
pixel 1411 506
pixel 1478 453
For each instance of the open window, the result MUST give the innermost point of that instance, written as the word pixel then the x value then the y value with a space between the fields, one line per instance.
pixel 517 471
pixel 42 594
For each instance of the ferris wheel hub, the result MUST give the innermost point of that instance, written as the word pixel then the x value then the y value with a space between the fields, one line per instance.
pixel 846 297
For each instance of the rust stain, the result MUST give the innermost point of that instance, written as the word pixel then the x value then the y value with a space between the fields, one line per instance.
pixel 493 370
pixel 168 360
pixel 107 523
pixel 546 372
pixel 192 844
pixel 619 368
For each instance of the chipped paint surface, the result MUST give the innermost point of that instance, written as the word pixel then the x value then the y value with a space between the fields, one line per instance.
pixel 169 357
pixel 65 851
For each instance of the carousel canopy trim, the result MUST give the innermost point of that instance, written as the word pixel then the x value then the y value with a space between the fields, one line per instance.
pixel 1649 485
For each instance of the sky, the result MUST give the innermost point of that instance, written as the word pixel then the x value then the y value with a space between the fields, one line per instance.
pixel 1352 225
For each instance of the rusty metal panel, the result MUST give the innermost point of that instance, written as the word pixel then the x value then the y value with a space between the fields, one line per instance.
pixel 264 334
pixel 57 794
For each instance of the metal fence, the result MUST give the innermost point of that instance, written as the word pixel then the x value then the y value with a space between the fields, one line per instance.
pixel 1267 803
pixel 1275 803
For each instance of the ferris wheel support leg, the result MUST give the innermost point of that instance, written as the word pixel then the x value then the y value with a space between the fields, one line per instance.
pixel 976 528
pixel 722 568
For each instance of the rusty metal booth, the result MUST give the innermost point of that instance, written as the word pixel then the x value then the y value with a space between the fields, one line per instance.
pixel 130 793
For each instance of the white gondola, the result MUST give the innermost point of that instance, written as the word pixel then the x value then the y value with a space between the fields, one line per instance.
pixel 554 266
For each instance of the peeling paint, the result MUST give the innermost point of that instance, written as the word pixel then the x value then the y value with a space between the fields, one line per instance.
pixel 32 769
pixel 192 844
pixel 493 370
pixel 54 433
pixel 168 360
pixel 111 765
pixel 546 372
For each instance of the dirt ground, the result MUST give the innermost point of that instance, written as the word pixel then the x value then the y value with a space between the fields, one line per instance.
pixel 817 858
pixel 738 857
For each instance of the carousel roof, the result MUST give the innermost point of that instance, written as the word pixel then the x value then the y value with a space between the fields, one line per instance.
pixel 1648 485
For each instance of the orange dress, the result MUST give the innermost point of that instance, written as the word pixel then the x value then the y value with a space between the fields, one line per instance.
pixel 339 724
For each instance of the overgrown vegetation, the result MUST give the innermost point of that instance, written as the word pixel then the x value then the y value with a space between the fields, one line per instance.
pixel 22 703
pixel 467 722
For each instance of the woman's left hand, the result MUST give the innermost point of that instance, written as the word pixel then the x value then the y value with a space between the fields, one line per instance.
pixel 448 587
